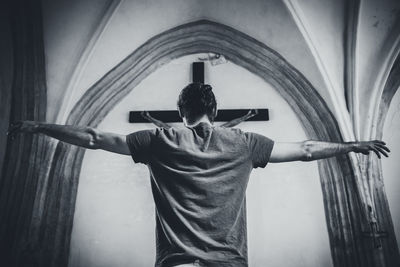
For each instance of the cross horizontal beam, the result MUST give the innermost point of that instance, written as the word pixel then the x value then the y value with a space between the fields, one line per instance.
pixel 173 115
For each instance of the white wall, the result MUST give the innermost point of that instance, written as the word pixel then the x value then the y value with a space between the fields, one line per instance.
pixel 376 36
pixel 325 25
pixel 114 219
pixel 390 166
pixel 67 27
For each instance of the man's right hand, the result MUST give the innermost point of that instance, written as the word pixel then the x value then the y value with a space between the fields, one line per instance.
pixel 22 127
pixel 314 150
pixel 377 146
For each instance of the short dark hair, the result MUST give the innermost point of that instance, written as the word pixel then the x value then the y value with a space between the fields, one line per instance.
pixel 196 100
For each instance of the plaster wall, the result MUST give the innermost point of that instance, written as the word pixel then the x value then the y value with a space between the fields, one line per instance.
pixel 67 28
pixel 325 23
pixel 375 36
pixel 114 219
pixel 390 166
pixel 376 20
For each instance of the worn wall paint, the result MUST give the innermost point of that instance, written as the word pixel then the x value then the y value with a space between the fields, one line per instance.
pixel 390 166
pixel 114 219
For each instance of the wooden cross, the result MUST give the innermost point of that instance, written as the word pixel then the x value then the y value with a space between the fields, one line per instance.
pixel 375 234
pixel 173 115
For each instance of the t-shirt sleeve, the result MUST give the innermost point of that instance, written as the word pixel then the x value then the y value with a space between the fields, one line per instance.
pixel 260 148
pixel 140 144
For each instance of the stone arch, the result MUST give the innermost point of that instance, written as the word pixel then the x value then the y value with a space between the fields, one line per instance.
pixel 342 209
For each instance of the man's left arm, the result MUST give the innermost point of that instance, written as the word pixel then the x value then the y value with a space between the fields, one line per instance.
pixel 82 136
pixel 313 150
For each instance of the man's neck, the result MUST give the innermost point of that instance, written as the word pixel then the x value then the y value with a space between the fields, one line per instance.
pixel 194 123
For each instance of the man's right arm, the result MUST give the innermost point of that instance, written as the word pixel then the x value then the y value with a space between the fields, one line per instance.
pixel 86 137
pixel 313 150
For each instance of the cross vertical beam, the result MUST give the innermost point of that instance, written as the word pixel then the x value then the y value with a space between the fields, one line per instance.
pixel 198 72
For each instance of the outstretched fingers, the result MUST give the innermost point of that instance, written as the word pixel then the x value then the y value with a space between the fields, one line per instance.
pixel 381 150
pixel 376 151
pixel 384 147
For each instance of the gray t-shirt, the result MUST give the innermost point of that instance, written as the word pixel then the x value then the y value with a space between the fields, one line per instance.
pixel 199 177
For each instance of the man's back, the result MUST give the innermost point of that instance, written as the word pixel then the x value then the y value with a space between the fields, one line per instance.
pixel 199 177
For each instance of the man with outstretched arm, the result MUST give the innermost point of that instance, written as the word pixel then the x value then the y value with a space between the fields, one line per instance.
pixel 199 175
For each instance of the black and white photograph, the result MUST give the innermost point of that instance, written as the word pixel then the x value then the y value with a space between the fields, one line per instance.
pixel 199 133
